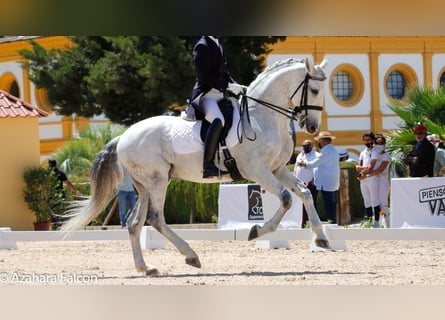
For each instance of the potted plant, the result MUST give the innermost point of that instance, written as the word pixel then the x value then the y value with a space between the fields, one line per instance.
pixel 42 195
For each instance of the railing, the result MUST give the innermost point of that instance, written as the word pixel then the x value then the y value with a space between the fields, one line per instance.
pixel 152 239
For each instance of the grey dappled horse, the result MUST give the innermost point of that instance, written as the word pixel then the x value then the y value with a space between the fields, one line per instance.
pixel 149 151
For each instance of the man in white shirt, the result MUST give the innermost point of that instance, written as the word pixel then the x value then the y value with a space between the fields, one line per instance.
pixel 368 184
pixel 306 175
pixel 327 176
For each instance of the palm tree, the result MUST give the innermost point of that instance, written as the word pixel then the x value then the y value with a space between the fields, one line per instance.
pixel 420 105
pixel 76 157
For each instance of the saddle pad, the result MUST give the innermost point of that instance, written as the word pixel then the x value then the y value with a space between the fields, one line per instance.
pixel 186 135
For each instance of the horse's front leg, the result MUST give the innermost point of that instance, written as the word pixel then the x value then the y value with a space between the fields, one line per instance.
pixel 269 182
pixel 135 223
pixel 298 187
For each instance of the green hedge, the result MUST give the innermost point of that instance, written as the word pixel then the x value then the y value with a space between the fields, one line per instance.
pixel 185 199
pixel 356 206
pixel 198 202
pixel 191 202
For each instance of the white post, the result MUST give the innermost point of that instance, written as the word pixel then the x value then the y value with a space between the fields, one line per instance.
pixel 337 245
pixel 147 242
pixel 6 244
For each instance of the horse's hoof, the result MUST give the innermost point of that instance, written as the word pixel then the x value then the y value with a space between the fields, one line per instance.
pixel 141 269
pixel 253 232
pixel 148 270
pixel 151 271
pixel 194 262
pixel 322 243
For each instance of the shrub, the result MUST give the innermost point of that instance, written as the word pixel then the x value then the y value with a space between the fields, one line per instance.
pixel 41 192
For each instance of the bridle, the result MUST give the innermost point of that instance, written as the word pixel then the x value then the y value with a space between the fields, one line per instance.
pixel 303 100
pixel 290 112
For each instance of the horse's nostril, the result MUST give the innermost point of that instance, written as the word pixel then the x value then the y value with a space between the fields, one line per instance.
pixel 312 129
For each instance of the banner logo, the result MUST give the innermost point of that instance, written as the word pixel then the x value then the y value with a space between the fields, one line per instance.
pixel 255 202
pixel 435 198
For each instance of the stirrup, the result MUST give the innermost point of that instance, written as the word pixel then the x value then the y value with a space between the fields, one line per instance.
pixel 213 172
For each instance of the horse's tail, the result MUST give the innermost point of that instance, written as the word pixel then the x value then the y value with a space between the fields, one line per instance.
pixel 103 177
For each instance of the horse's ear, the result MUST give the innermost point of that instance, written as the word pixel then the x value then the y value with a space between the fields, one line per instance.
pixel 324 63
pixel 309 66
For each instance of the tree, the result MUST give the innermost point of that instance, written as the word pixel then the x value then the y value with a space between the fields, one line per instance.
pixel 421 105
pixel 130 78
pixel 126 78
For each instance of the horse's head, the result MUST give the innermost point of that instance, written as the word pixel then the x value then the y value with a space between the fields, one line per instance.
pixel 309 100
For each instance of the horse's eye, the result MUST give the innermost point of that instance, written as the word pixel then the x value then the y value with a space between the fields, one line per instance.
pixel 314 91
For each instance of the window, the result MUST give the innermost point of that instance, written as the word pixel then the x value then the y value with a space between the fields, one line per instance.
pixel 346 85
pixel 442 80
pixel 9 84
pixel 398 79
pixel 14 89
pixel 396 85
pixel 342 85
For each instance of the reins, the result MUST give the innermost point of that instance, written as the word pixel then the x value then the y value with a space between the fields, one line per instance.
pixel 290 113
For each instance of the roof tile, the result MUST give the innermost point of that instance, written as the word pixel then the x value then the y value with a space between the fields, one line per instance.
pixel 13 107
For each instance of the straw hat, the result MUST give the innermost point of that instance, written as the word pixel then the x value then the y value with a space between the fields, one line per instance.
pixel 324 134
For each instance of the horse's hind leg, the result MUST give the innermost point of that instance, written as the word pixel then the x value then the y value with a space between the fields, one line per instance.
pixel 156 219
pixel 135 223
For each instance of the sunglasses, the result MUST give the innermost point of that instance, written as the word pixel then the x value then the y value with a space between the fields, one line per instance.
pixel 380 143
pixel 306 145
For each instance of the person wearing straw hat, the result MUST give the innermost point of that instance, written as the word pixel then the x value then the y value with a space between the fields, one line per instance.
pixel 327 175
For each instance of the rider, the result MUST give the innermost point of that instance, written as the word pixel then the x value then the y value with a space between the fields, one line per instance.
pixel 213 79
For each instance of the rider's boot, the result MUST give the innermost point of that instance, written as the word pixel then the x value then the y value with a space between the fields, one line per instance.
pixel 210 145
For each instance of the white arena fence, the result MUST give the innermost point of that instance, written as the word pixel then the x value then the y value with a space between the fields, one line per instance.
pixel 152 239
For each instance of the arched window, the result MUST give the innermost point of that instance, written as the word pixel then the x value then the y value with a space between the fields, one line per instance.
pixel 442 80
pixel 9 83
pixel 14 89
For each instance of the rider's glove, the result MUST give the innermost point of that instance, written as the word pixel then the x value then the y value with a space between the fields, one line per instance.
pixel 236 88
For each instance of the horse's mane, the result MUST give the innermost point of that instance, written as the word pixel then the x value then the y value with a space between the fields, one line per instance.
pixel 275 67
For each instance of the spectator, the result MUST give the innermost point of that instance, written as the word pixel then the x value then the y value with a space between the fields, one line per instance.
pixel 125 194
pixel 437 142
pixel 306 175
pixel 56 217
pixel 327 175
pixel 439 157
pixel 420 160
pixel 368 185
pixel 62 178
pixel 380 163
pixel 343 156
